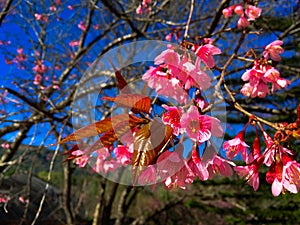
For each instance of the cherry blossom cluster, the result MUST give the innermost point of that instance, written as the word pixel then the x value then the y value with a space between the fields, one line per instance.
pixel 262 73
pixel 144 7
pixel 174 75
pixel 250 13
pixel 284 170
pixel 176 33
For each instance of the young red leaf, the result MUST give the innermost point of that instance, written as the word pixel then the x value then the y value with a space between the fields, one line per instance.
pixel 136 102
pixel 103 126
pixel 149 141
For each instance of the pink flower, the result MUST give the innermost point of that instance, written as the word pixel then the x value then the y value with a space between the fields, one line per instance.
pixel 148 176
pixel 104 162
pixel 280 179
pixel 81 158
pixel 273 76
pixel 253 12
pixel 168 163
pixel 259 77
pixel 235 146
pixel 41 17
pixel 239 10
pixel 39 67
pixel 227 12
pixel 165 83
pixel 200 127
pixel 195 77
pixel 123 154
pixel 250 172
pixel 3 199
pixel 37 79
pixel 218 165
pixel 172 118
pixel 197 166
pixel 206 52
pixel 74 43
pixel 139 10
pixel 243 22
pixel 53 8
pixel 169 57
pixel 81 26
pixel 273 49
pixel 23 200
pixel 20 51
pixel 200 102
pixel 70 7
pixel 5 145
pixel 169 36
pixel 181 179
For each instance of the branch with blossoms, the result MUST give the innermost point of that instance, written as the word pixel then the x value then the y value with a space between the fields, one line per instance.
pixel 171 138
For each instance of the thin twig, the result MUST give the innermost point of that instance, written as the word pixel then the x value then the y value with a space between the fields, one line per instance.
pixel 189 19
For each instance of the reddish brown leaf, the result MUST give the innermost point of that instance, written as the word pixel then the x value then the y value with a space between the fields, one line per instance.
pixel 136 102
pixel 69 153
pixel 149 141
pixel 103 126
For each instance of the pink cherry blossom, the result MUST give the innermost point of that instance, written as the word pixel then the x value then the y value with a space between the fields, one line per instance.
pixel 37 79
pixel 180 179
pixel 206 52
pixel 123 154
pixel 39 67
pixel 165 84
pixel 197 166
pixel 148 176
pixel 199 127
pixel 259 77
pixel 243 22
pixel 195 77
pixel 218 165
pixel 5 145
pixel 235 146
pixel 168 163
pixel 272 75
pixel 104 161
pixel 52 8
pixel 260 90
pixel 250 172
pixel 74 43
pixel 81 26
pixel 277 175
pixel 168 57
pixel 227 12
pixel 172 118
pixel 23 200
pixel 199 100
pixel 239 10
pixel 81 158
pixel 139 10
pixel 3 199
pixel 253 12
pixel 169 36
pixel 273 49
pixel 41 17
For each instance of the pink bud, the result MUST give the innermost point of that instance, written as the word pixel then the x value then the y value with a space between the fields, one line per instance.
pixel 239 10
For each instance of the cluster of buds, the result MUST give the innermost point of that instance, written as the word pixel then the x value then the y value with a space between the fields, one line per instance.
pixel 250 13
pixel 144 7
